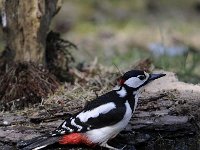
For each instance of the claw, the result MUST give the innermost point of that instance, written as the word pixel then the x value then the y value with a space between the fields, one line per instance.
pixel 123 147
pixel 110 147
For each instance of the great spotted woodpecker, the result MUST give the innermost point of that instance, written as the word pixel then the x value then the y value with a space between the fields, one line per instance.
pixel 101 119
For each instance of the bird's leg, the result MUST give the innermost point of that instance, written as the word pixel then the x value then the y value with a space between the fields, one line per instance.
pixel 110 147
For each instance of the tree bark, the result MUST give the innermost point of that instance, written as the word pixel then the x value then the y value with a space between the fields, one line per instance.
pixel 26 24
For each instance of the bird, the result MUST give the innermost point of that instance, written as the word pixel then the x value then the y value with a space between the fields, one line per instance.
pixel 101 119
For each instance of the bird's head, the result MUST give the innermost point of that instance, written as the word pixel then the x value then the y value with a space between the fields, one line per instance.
pixel 135 79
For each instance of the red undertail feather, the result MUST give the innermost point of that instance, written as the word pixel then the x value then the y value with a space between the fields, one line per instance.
pixel 75 138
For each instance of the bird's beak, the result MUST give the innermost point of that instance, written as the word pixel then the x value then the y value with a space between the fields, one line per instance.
pixel 155 76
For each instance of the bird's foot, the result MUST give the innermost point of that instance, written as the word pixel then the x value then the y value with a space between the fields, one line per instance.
pixel 110 147
pixel 123 147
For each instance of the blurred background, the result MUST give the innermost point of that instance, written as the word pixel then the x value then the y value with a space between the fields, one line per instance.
pixel 125 32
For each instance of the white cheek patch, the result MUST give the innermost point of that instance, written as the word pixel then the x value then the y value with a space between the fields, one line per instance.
pixel 134 82
pixel 103 109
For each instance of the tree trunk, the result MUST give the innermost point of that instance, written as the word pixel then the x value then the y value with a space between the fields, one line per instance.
pixel 26 23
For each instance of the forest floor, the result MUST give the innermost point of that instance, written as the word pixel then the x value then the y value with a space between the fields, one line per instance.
pixel 167 116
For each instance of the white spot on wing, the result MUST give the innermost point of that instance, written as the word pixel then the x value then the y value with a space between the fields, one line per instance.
pixel 65 127
pixel 62 132
pixel 76 125
pixel 122 92
pixel 103 109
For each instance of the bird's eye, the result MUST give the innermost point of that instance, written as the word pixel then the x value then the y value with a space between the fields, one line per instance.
pixel 142 77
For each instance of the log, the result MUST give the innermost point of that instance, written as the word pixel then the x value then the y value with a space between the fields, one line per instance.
pixel 167 118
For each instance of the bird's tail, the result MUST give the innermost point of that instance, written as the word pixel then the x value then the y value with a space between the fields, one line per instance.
pixel 38 142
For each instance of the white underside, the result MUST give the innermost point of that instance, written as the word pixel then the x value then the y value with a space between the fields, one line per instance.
pixel 102 135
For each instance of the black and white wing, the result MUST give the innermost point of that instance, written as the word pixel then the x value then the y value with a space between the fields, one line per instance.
pixel 97 114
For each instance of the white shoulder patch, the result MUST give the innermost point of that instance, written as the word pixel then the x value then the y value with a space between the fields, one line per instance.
pixel 122 92
pixel 103 109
